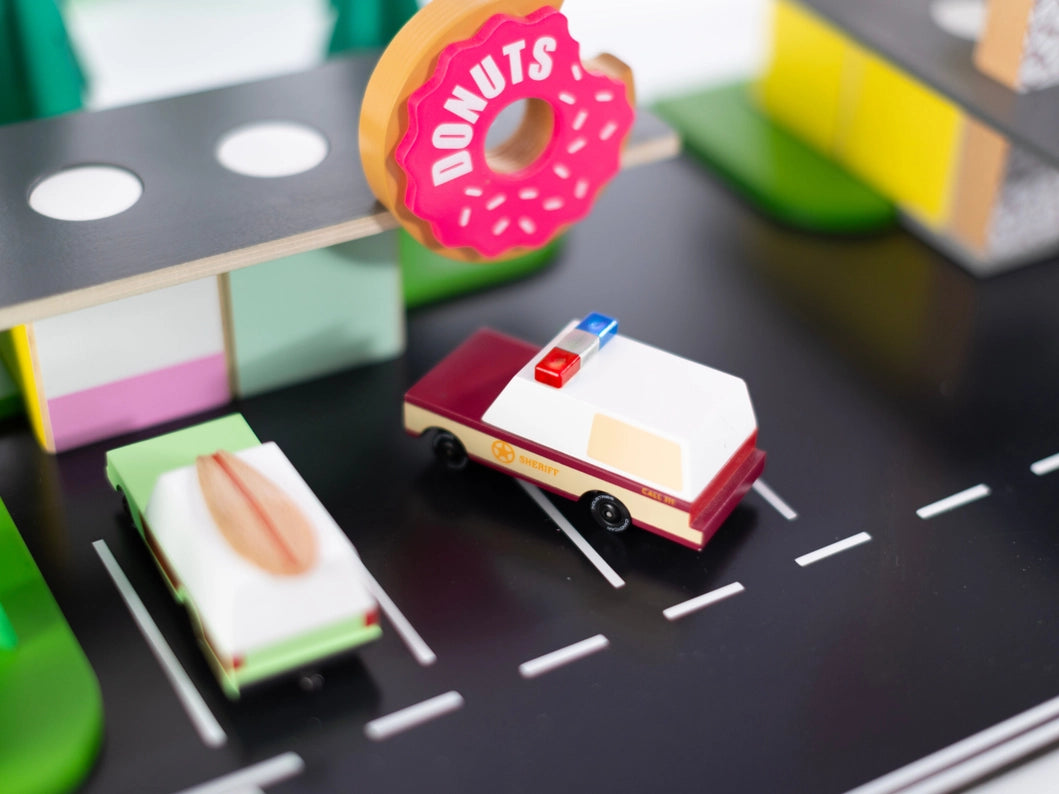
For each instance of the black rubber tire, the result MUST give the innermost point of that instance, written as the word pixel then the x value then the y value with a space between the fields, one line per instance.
pixel 609 513
pixel 449 450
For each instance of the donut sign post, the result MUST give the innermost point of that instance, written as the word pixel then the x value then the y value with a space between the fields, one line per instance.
pixel 435 94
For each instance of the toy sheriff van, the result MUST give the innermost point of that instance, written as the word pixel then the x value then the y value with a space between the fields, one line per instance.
pixel 640 435
pixel 271 582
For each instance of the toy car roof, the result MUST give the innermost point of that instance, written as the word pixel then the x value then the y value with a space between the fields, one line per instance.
pixel 635 389
pixel 243 607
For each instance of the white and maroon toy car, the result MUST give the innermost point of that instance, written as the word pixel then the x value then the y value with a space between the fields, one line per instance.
pixel 643 436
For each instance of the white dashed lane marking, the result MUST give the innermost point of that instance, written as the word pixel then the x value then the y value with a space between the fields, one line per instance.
pixel 834 548
pixel 678 611
pixel 1045 465
pixel 413 716
pixel 960 499
pixel 253 778
pixel 563 656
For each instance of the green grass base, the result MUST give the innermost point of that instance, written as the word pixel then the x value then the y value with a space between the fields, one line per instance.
pixel 51 710
pixel 774 170
pixel 429 277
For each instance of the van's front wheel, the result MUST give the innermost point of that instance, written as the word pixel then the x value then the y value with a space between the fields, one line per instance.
pixel 449 450
pixel 609 513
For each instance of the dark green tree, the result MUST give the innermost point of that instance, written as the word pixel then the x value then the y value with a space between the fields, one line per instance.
pixel 367 24
pixel 39 72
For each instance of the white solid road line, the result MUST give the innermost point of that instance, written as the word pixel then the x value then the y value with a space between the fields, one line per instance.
pixel 1045 465
pixel 563 656
pixel 252 778
pixel 407 718
pixel 974 757
pixel 773 499
pixel 553 513
pixel 960 499
pixel 420 650
pixel 700 602
pixel 834 548
pixel 201 716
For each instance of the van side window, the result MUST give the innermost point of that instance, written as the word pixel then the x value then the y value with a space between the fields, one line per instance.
pixel 637 452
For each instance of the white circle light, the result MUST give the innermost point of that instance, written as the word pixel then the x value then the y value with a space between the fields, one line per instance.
pixel 86 193
pixel 272 149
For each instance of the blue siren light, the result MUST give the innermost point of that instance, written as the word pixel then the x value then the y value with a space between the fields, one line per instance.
pixel 606 328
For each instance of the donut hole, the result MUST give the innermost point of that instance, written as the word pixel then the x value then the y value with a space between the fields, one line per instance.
pixel 509 152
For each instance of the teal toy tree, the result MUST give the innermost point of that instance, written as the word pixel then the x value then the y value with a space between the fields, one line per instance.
pixel 367 24
pixel 8 639
pixel 39 72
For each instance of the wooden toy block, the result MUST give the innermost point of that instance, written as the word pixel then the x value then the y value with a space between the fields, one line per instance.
pixel 1006 201
pixel 803 86
pixel 51 723
pixel 1020 46
pixel 112 369
pixel 314 313
pixel 882 125
pixel 238 220
pixel 899 136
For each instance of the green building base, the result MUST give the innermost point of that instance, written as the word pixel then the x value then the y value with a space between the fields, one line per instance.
pixel 779 174
pixel 430 277
pixel 51 710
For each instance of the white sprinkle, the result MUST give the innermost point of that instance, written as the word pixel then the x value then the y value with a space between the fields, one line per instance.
pixel 496 201
pixel 528 194
pixel 604 96
pixel 561 171
pixel 576 70
pixel 501 226
pixel 563 656
pixel 773 499
pixel 610 128
pixel 960 499
pixel 473 192
pixel 580 119
pixel 576 146
pixel 527 225
pixel 553 204
pixel 465 216
pixel 567 97
pixel 582 188
pixel 267 773
pixel 699 602
pixel 420 650
pixel 413 716
pixel 202 718
pixel 560 521
pixel 834 548
pixel 1045 465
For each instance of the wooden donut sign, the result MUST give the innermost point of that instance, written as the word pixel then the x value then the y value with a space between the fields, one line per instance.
pixel 435 94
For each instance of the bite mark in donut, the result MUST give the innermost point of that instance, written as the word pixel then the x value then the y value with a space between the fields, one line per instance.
pixel 450 182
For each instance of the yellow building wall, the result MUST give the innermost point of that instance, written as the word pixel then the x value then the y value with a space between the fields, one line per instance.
pixel 893 132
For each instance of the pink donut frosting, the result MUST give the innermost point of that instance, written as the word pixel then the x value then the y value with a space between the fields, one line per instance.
pixel 450 184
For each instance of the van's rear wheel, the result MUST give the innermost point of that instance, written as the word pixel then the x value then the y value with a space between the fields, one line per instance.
pixel 609 513
pixel 449 450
